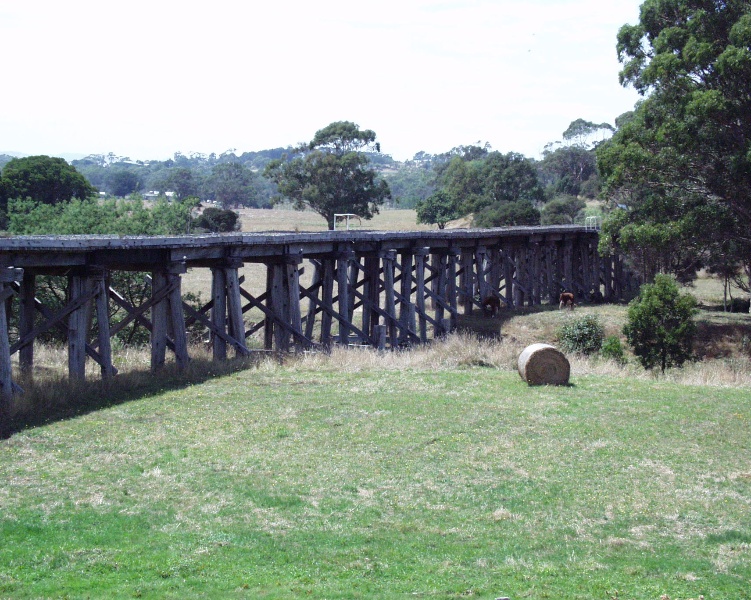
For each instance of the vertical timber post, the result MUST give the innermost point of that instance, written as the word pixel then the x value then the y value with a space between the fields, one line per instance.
pixel 451 288
pixel 388 260
pixel 420 254
pixel 292 286
pixel 78 286
pixel 219 311
pixel 234 306
pixel 467 280
pixel 406 307
pixel 103 323
pixel 7 277
pixel 327 298
pixel 26 322
pixel 174 303
pixel 342 277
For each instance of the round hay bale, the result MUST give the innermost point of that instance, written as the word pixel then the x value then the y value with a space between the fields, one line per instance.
pixel 543 364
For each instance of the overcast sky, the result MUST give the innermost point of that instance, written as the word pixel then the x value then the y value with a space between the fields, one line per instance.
pixel 148 78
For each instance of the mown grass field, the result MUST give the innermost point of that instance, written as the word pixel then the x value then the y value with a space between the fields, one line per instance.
pixel 376 481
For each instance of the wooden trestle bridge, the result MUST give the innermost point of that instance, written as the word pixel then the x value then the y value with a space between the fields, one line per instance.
pixel 384 289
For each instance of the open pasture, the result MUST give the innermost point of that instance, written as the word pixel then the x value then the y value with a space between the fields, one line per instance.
pixel 361 475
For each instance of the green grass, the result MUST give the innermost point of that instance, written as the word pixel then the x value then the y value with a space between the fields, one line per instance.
pixel 283 482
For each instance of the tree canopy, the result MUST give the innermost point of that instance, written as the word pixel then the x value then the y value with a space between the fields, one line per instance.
pixel 685 152
pixel 231 184
pixel 45 179
pixel 332 174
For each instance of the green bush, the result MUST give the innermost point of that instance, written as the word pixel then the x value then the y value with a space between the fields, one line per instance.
pixel 613 349
pixel 660 324
pixel 583 335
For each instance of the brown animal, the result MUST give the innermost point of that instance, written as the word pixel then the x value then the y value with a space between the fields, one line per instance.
pixel 566 299
pixel 492 304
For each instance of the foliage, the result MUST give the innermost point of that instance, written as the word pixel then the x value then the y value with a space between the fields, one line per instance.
pixel 686 145
pixel 43 179
pixel 89 216
pixel 508 214
pixel 580 132
pixel 410 185
pixel 217 220
pixel 439 208
pixel 332 174
pixel 122 182
pixel 500 189
pixel 660 326
pixel 583 335
pixel 231 185
pixel 569 170
pixel 612 349
pixel 563 210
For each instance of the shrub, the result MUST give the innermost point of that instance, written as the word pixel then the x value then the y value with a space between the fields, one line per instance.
pixel 613 349
pixel 660 326
pixel 583 335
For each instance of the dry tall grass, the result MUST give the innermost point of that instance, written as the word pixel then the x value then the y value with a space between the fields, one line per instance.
pixel 462 350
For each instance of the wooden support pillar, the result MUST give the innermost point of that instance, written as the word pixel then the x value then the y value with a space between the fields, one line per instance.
pixel 495 270
pixel 26 320
pixel 467 281
pixel 406 307
pixel 438 261
pixel 596 267
pixel 103 324
pixel 452 289
pixel 371 294
pixel 292 285
pixel 607 277
pixel 310 317
pixel 508 276
pixel 535 275
pixel 78 321
pixel 219 312
pixel 618 277
pixel 167 316
pixel 234 307
pixel 420 254
pixel 519 282
pixel 268 322
pixel 8 276
pixel 280 305
pixel 176 316
pixel 550 266
pixel 388 260
pixel 586 269
pixel 568 266
pixel 327 297
pixel 355 269
pixel 481 260
pixel 344 293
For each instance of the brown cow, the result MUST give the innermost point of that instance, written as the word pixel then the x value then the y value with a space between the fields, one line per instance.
pixel 566 299
pixel 492 304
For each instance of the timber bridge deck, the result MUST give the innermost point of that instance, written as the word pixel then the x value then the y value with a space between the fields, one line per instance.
pixel 384 289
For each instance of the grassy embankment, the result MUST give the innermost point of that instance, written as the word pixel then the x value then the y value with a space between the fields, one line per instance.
pixel 434 473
